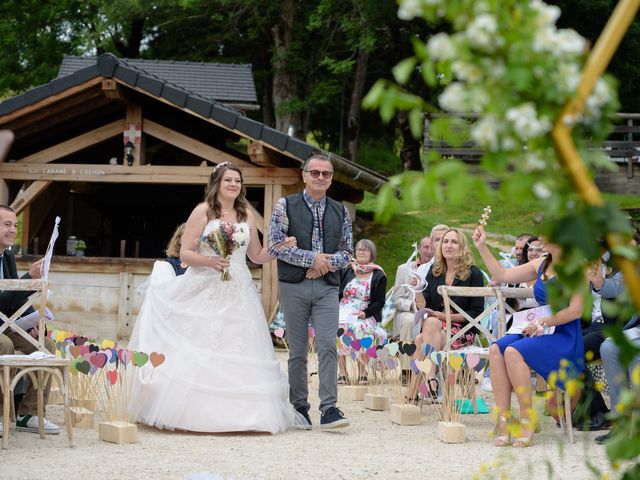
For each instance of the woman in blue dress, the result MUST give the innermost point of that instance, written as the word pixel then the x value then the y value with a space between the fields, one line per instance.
pixel 512 356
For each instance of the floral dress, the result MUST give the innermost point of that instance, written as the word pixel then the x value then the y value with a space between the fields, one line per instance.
pixel 355 297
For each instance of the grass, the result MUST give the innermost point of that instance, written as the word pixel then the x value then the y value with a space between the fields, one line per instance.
pixel 508 219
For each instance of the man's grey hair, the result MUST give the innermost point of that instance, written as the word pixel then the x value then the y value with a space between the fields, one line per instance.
pixel 317 156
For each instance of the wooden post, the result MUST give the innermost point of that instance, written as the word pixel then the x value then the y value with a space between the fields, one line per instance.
pixel 133 119
pixel 125 306
pixel 269 270
pixel 123 248
pixel 4 193
pixel 26 217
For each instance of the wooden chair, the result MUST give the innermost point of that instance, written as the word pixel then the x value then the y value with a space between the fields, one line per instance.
pixel 14 367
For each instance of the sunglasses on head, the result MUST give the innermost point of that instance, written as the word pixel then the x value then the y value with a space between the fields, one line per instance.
pixel 317 173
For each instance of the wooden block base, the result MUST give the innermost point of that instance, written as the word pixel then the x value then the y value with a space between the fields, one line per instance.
pixel 376 402
pixel 81 417
pixel 88 403
pixel 354 393
pixel 118 432
pixel 451 432
pixel 55 397
pixel 403 414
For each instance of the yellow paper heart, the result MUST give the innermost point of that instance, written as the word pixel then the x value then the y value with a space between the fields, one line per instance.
pixel 424 365
pixel 108 343
pixel 455 361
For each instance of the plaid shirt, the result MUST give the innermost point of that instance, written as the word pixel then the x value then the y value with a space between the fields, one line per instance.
pixel 279 227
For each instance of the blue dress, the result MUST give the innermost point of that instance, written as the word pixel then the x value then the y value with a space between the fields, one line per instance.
pixel 545 352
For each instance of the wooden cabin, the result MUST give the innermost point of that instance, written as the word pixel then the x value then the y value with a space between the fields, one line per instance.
pixel 122 156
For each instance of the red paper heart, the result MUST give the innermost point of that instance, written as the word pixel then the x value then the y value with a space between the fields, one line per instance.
pixel 98 360
pixel 112 375
pixel 156 359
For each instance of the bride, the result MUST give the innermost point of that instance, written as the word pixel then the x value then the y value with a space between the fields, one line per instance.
pixel 220 373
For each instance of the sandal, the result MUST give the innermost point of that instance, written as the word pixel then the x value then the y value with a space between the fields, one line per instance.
pixel 342 380
pixel 525 441
pixel 502 440
pixel 363 380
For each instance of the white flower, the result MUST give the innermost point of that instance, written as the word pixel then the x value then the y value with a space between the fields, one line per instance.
pixel 569 77
pixel 526 123
pixel 481 33
pixel 478 99
pixel 410 9
pixel 561 43
pixel 467 71
pixel 485 133
pixel 454 98
pixel 533 162
pixel 508 143
pixel 570 42
pixel 600 96
pixel 440 47
pixel 541 190
pixel 546 14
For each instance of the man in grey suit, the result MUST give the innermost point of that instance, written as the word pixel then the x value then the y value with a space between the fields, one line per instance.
pixel 309 278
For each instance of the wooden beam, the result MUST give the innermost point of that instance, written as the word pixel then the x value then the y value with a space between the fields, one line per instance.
pixel 141 174
pixel 49 100
pixel 26 196
pixel 259 154
pixel 75 144
pixel 111 89
pixel 191 145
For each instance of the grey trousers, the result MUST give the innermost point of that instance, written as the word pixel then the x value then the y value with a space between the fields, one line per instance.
pixel 315 302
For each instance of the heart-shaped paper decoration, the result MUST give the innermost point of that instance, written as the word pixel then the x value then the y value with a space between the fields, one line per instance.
pixel 481 364
pixel 424 365
pixel 409 348
pixel 83 366
pixel 455 361
pixel 340 331
pixel 424 390
pixel 98 360
pixel 311 332
pixel 279 332
pixel 435 358
pixel 360 334
pixel 414 367
pixel 84 349
pixel 139 359
pixel 80 340
pixel 393 348
pixel 108 344
pixel 94 348
pixel 355 345
pixel 472 360
pixel 156 359
pixel 372 352
pixel 124 355
pixel 383 354
pixel 427 348
pixel 112 375
pixel 346 339
pixel 366 342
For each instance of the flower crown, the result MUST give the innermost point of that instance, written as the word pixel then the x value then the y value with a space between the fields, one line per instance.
pixel 223 164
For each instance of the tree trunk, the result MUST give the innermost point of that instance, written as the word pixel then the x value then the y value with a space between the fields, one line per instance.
pixel 410 152
pixel 284 80
pixel 352 133
pixel 131 47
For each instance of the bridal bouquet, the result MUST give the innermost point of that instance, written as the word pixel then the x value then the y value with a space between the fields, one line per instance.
pixel 224 240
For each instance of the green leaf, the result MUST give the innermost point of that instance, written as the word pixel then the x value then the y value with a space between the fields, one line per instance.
pixel 403 70
pixel 374 97
pixel 416 122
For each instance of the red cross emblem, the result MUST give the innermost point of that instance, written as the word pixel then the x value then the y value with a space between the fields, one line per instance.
pixel 132 133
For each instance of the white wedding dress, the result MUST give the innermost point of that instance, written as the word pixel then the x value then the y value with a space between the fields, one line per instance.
pixel 220 372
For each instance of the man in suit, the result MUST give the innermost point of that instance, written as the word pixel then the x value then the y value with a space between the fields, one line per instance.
pixel 10 302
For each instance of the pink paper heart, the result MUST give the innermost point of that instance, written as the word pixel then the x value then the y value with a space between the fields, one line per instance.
pixel 424 390
pixel 372 352
pixel 112 375
pixel 355 345
pixel 473 359
pixel 98 360
pixel 279 332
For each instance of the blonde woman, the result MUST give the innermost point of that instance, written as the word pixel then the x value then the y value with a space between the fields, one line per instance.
pixel 453 266
pixel 173 251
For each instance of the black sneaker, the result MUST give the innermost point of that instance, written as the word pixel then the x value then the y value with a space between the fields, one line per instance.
pixel 333 418
pixel 305 413
pixel 603 438
pixel 598 422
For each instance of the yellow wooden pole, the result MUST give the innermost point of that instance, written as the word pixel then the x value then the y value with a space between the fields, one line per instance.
pixel 603 51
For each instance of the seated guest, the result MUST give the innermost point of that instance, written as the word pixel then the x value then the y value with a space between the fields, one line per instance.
pixel 436 237
pixel 362 292
pixel 404 296
pixel 618 376
pixel 10 302
pixel 513 355
pixel 173 251
pixel 454 266
pixel 591 410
